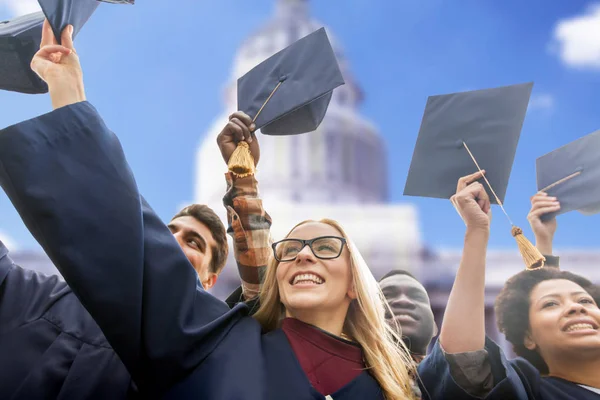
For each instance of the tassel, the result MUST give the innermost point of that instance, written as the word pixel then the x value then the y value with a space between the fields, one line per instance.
pixel 531 255
pixel 241 162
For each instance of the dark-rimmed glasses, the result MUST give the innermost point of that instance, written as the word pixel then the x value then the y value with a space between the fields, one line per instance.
pixel 323 247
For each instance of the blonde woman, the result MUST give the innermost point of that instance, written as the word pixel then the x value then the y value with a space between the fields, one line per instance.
pixel 66 174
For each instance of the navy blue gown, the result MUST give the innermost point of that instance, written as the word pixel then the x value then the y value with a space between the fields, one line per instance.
pixel 50 347
pixel 513 380
pixel 67 176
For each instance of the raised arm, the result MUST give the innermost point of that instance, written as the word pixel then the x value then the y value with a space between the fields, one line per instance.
pixel 463 327
pixel 249 224
pixel 544 231
pixel 67 176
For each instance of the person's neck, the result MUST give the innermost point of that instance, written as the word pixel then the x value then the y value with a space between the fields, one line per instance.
pixel 584 372
pixel 330 322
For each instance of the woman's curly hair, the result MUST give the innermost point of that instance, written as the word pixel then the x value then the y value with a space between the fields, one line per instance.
pixel 512 307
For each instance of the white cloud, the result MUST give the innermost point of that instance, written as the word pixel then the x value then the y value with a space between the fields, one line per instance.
pixel 8 242
pixel 577 39
pixel 20 7
pixel 542 101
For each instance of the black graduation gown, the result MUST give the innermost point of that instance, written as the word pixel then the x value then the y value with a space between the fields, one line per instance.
pixel 515 380
pixel 50 347
pixel 67 176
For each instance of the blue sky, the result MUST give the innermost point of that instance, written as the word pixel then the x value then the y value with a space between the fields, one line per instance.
pixel 156 73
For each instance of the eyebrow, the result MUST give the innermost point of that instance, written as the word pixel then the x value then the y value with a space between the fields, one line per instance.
pixel 174 228
pixel 556 295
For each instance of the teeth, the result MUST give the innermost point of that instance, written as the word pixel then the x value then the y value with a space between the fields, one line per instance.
pixel 577 327
pixel 307 278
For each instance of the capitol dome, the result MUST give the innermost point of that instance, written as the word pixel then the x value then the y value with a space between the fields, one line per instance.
pixel 344 161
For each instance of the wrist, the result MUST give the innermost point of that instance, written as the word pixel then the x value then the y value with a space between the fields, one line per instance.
pixel 477 233
pixel 544 245
pixel 65 94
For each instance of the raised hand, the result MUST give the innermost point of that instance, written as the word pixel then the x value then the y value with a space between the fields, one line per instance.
pixel 544 231
pixel 472 202
pixel 58 65
pixel 239 128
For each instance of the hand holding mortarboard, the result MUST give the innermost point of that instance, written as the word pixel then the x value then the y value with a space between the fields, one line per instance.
pixel 20 39
pixel 472 202
pixel 238 131
pixel 289 93
pixel 571 173
pixel 58 65
pixel 543 230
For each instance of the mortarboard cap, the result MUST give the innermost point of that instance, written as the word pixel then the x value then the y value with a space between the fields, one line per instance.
pixel 571 173
pixel 289 92
pixel 462 133
pixel 488 121
pixel 19 41
pixel 61 13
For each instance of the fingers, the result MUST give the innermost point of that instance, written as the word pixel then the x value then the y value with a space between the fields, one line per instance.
pixel 537 213
pixel 54 48
pixel 246 135
pixel 235 130
pixel 67 37
pixel 467 180
pixel 47 35
pixel 244 118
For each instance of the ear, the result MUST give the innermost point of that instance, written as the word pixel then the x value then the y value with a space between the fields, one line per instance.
pixel 210 280
pixel 435 329
pixel 528 342
pixel 352 292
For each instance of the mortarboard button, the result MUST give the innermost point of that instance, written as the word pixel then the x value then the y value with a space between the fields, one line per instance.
pixel 288 93
pixel 19 41
pixel 571 173
pixel 462 133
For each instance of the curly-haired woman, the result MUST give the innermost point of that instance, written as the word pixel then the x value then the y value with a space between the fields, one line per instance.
pixel 550 316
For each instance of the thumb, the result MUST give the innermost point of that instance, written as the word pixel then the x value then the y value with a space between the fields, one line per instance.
pixel 67 37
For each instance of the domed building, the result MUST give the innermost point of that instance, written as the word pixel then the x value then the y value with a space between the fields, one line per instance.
pixel 338 171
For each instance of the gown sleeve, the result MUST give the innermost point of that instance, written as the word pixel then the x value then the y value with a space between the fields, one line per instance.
pixel 25 295
pixel 66 174
pixel 452 376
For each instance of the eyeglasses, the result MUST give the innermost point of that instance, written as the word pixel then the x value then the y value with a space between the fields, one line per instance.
pixel 323 247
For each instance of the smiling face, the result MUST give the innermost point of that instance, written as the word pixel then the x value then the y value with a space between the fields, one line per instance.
pixel 564 319
pixel 312 283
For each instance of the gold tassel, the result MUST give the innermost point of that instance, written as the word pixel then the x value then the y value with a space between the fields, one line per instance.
pixel 241 161
pixel 531 255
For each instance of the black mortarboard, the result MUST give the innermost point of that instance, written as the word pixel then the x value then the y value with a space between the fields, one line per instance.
pixel 19 41
pixel 61 13
pixel 289 92
pixel 462 133
pixel 488 121
pixel 572 174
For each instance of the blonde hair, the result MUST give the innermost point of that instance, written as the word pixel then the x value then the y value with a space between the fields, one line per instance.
pixel 386 356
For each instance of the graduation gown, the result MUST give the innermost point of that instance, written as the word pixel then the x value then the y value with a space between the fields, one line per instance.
pixel 67 176
pixel 515 380
pixel 50 347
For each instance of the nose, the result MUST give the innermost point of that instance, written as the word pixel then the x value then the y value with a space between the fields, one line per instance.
pixel 403 301
pixel 576 308
pixel 305 255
